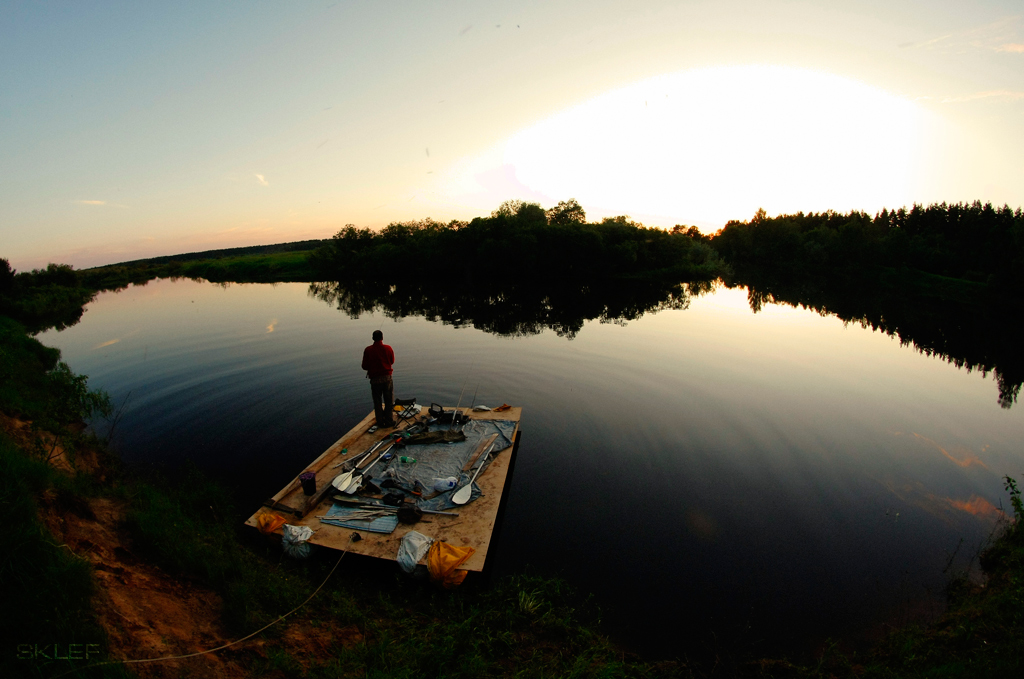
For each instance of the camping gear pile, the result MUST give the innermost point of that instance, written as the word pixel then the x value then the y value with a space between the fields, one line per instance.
pixel 428 465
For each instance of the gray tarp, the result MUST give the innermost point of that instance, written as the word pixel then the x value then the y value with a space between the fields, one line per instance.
pixel 440 460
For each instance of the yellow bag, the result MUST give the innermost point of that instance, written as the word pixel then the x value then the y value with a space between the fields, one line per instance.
pixel 268 522
pixel 443 559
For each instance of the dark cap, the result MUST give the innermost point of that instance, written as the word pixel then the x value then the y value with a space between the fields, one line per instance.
pixel 377 335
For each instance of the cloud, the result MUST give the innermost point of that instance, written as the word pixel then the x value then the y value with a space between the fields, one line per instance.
pixel 107 343
pixel 1002 35
pixel 941 506
pixel 273 323
pixel 977 506
pixel 925 43
pixel 997 95
pixel 98 202
pixel 969 458
pixel 262 180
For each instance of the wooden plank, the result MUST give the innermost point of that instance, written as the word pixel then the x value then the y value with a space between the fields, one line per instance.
pixel 486 441
pixel 473 527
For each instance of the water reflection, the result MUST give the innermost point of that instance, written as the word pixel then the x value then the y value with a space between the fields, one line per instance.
pixel 513 310
pixel 971 334
pixel 768 476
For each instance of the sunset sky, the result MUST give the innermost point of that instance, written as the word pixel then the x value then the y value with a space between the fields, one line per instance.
pixel 130 130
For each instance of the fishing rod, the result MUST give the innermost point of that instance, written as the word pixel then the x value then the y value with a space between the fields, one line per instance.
pixel 461 393
pixel 359 458
pixel 410 423
pixel 347 482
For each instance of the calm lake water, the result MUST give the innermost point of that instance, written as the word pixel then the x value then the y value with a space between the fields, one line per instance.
pixel 773 477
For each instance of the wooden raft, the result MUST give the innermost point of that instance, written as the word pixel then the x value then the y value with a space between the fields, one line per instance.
pixel 473 526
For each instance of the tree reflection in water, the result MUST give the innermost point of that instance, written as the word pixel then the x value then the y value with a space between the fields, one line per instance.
pixel 973 332
pixel 970 333
pixel 513 310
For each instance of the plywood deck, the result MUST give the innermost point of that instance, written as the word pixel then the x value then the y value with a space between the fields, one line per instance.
pixel 473 527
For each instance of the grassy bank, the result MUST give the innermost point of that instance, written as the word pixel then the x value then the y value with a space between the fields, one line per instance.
pixel 46 589
pixel 981 634
pixel 369 620
pixel 273 267
pixel 366 620
pixel 407 628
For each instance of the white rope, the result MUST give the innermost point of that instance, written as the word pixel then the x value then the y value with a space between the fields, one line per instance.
pixel 219 648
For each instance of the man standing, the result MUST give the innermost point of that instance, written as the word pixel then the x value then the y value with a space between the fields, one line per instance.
pixel 377 361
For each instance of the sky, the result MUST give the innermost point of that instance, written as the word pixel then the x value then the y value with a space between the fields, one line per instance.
pixel 131 130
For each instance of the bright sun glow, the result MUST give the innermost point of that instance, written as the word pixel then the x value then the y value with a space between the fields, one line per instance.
pixel 704 146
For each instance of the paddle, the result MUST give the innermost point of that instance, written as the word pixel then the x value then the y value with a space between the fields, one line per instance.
pixel 463 494
pixel 342 480
pixel 356 477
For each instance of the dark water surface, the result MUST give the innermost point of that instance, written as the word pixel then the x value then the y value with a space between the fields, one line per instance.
pixel 772 477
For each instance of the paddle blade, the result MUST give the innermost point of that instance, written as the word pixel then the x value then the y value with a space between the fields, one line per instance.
pixel 353 485
pixel 463 494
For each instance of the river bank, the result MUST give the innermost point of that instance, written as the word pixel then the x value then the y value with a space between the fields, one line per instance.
pixel 117 567
pixel 123 564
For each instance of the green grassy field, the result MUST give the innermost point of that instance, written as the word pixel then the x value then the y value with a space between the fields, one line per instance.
pixel 252 268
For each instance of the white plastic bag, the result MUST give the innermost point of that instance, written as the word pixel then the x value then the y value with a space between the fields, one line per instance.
pixel 294 539
pixel 412 548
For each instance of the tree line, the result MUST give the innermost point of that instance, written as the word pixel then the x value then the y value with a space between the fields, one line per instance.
pixel 54 297
pixel 519 242
pixel 973 242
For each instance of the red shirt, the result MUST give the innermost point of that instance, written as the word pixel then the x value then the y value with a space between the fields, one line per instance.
pixel 378 359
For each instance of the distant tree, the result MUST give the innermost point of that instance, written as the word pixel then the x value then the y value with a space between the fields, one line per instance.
pixel 567 212
pixel 531 213
pixel 622 220
pixel 6 276
pixel 520 211
pixel 510 208
pixel 62 275
pixel 690 232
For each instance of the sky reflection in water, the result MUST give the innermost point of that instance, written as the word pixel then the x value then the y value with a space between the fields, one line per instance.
pixel 707 467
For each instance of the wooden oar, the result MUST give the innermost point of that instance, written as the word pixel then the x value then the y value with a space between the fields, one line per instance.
pixel 463 494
